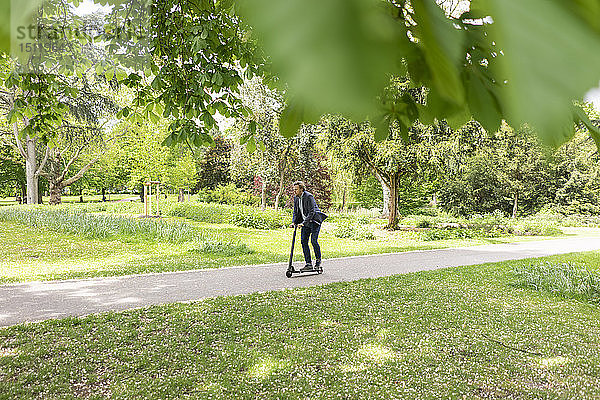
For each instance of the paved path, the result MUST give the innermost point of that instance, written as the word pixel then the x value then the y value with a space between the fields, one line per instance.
pixel 37 301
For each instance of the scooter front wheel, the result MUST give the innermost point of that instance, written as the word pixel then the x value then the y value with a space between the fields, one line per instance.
pixel 288 274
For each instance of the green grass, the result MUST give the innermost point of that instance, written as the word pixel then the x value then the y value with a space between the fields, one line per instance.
pixel 95 198
pixel 28 253
pixel 566 279
pixel 100 226
pixel 464 332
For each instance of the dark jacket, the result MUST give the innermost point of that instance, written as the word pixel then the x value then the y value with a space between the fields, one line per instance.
pixel 311 211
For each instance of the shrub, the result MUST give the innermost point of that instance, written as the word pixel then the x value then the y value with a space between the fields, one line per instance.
pixel 442 234
pixel 532 228
pixel 252 217
pixel 423 223
pixel 368 193
pixel 201 212
pixel 240 215
pixel 565 279
pixel 227 194
pixel 352 229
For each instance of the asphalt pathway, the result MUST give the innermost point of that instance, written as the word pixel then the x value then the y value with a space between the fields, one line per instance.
pixel 38 301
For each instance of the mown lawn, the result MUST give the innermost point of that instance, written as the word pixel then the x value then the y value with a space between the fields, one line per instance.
pixel 40 254
pixel 464 332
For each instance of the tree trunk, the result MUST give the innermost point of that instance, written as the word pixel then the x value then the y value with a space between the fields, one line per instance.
pixel 263 195
pixel 344 199
pixel 434 200
pixel 515 203
pixel 55 193
pixel 393 203
pixel 30 172
pixel 181 196
pixel 386 197
pixel 103 195
pixel 277 196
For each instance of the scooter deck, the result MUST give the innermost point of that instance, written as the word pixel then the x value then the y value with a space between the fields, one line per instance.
pixel 291 271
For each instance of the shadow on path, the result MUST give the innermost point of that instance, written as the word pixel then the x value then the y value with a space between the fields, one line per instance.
pixel 37 301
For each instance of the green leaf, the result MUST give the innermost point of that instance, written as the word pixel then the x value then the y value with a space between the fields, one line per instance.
pixel 197 140
pixel 153 117
pixel 382 129
pixel 251 145
pixel 442 46
pixel 156 83
pixel 109 73
pixel 484 104
pixel 581 116
pixel 551 58
pixel 458 119
pixel 13 116
pixel 335 55
pixel 439 106
pixel 168 141
pixel 426 117
pixel 121 74
pixel 244 139
pixel 291 118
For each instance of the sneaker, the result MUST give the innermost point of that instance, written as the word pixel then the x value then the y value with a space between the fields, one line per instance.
pixel 318 264
pixel 307 267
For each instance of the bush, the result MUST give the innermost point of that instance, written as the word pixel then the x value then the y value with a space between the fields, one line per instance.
pixel 565 279
pixel 533 228
pixel 442 234
pixel 201 212
pixel 423 223
pixel 251 217
pixel 561 217
pixel 368 193
pixel 240 215
pixel 117 207
pixel 353 229
pixel 227 194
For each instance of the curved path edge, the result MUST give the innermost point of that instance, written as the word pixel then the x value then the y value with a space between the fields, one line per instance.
pixel 38 301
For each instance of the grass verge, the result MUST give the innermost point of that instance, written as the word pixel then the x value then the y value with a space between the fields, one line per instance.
pixel 462 332
pixel 28 253
pixel 565 279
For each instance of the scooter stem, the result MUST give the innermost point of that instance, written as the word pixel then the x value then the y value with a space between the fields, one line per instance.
pixel 292 250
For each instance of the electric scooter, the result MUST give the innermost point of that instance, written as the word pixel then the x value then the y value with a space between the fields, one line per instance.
pixel 290 271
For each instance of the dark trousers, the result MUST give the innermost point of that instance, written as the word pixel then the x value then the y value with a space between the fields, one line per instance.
pixel 311 231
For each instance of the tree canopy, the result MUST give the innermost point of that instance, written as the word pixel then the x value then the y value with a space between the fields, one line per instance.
pixel 491 60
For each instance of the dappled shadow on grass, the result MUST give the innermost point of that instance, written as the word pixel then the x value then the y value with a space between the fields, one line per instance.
pixel 454 333
pixel 156 264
